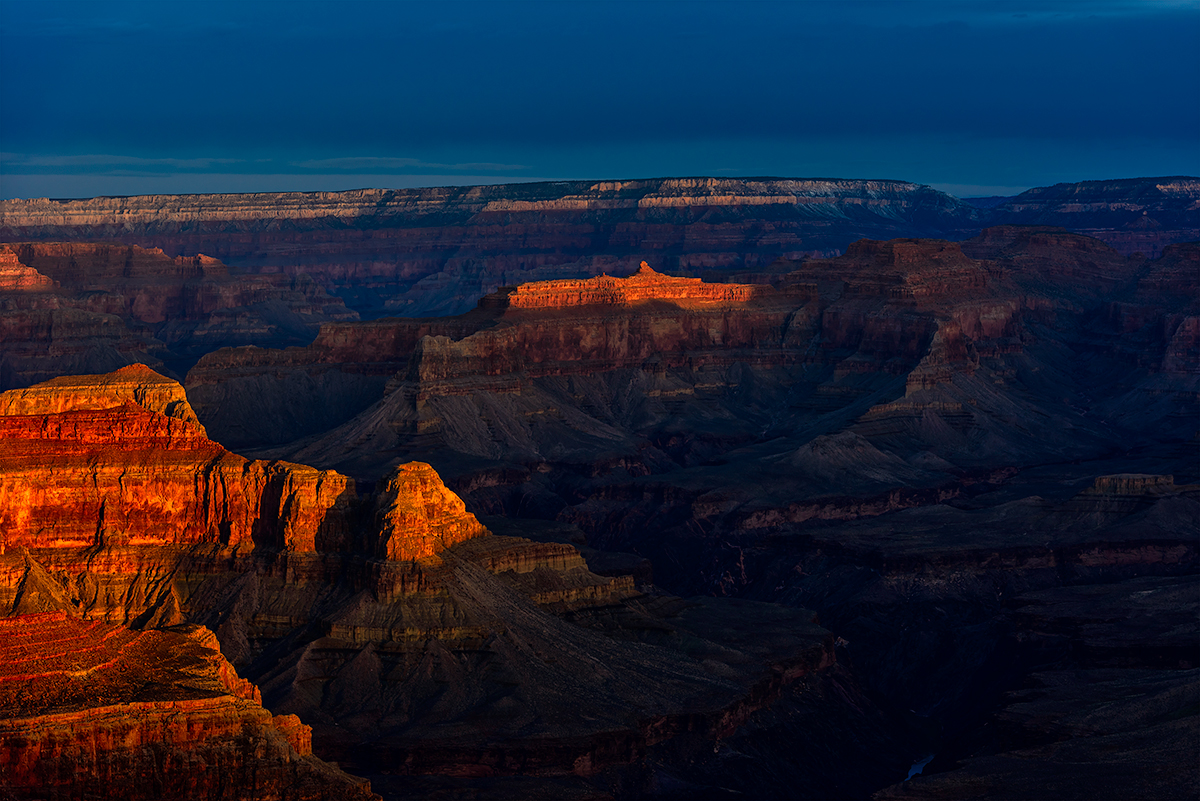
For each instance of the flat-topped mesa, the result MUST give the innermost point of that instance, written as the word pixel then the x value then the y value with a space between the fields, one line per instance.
pixel 644 285
pixel 903 268
pixel 1132 485
pixel 418 516
pixel 18 277
pixel 135 383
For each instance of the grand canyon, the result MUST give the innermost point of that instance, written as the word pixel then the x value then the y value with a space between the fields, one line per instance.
pixel 703 488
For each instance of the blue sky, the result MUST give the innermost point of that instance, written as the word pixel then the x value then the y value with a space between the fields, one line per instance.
pixel 973 97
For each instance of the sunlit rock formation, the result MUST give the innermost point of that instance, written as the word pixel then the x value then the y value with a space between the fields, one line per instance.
pixel 120 459
pixel 436 250
pixel 418 517
pixel 394 625
pixel 93 710
pixel 644 285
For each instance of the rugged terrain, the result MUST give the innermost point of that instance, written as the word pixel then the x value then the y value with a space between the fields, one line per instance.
pixel 921 440
pixel 974 459
pixel 1136 215
pixel 94 710
pixel 417 645
pixel 434 251
pixel 83 308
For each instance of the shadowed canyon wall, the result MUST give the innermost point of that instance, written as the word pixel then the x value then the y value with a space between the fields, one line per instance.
pixel 83 308
pixel 950 450
pixel 433 251
pixel 441 648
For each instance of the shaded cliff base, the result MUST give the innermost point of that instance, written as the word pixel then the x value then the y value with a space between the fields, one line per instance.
pixel 938 441
pixel 404 634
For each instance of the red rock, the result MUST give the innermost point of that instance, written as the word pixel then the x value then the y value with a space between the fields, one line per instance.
pixel 17 277
pixel 418 517
pixel 93 710
pixel 644 285
pixel 107 465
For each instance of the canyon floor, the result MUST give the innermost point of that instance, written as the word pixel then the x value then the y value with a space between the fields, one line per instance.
pixel 883 518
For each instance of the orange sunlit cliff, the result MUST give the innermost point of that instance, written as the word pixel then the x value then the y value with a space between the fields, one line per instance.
pixel 120 459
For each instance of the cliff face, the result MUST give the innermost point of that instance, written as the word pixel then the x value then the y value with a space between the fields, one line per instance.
pixel 644 285
pixel 119 459
pixel 78 308
pixel 434 251
pixel 91 710
pixel 1136 215
pixel 114 511
pixel 418 517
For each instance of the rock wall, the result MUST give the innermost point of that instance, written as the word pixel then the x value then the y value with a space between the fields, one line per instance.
pixel 644 285
pixel 82 307
pixel 93 710
pixel 1134 215
pixel 435 251
pixel 101 468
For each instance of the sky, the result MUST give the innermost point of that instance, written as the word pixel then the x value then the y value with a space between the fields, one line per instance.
pixel 974 97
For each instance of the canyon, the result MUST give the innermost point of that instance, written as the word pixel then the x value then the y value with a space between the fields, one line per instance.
pixel 417 645
pixel 421 252
pixel 89 307
pixel 692 489
pixel 919 440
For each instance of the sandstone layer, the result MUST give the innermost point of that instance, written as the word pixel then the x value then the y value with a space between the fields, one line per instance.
pixel 434 251
pixel 93 710
pixel 410 639
pixel 79 308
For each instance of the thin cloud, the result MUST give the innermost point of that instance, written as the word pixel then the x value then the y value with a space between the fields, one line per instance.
pixel 108 160
pixel 388 164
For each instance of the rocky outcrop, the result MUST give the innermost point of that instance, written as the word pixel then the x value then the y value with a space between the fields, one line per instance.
pixel 136 384
pixel 119 460
pixel 93 710
pixel 18 277
pixel 418 517
pixel 644 285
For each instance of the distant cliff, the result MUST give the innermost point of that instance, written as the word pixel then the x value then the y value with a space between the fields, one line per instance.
pixel 1130 215
pixel 434 251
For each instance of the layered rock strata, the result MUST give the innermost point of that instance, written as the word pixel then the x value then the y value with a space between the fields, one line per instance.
pixel 97 711
pixel 434 251
pixel 118 459
pixel 1134 215
pixel 409 638
pixel 78 308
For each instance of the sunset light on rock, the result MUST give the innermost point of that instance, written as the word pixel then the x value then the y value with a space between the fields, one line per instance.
pixel 510 401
